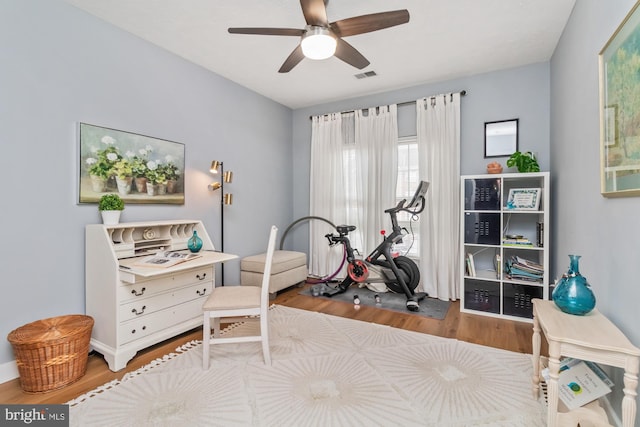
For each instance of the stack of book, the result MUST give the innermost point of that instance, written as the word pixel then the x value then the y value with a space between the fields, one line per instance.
pixel 518 268
pixel 470 265
pixel 510 240
pixel 540 234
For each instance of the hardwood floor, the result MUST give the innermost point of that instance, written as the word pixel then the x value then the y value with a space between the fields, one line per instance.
pixel 504 334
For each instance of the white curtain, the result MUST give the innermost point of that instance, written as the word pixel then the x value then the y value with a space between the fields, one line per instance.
pixel 376 152
pixel 353 180
pixel 327 196
pixel 438 134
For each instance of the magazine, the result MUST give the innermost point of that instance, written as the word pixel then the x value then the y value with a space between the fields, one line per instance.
pixel 580 382
pixel 164 259
pixel 518 268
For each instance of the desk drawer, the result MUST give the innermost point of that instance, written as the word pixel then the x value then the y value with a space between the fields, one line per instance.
pixel 145 306
pixel 155 322
pixel 156 285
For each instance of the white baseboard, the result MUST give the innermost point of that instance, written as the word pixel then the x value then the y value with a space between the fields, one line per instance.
pixel 8 371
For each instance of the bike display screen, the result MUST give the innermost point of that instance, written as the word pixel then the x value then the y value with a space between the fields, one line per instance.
pixel 420 192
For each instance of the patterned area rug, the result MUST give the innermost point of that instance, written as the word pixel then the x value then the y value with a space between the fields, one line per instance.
pixel 326 371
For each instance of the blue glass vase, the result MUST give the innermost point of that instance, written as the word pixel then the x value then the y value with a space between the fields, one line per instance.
pixel 572 293
pixel 194 243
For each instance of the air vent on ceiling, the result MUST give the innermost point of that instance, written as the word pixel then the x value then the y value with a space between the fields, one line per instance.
pixel 365 75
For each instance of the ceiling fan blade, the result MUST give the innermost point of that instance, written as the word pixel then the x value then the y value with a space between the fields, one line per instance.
pixel 268 31
pixel 315 12
pixel 293 60
pixel 350 55
pixel 367 23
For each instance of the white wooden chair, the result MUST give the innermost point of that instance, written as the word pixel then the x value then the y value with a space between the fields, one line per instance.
pixel 237 301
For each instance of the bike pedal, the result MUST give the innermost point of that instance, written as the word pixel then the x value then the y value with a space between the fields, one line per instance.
pixel 413 306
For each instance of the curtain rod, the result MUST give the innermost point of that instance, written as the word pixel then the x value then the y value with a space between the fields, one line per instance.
pixel 462 93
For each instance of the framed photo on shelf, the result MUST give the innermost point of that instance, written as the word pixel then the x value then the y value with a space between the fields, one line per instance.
pixel 619 109
pixel 524 199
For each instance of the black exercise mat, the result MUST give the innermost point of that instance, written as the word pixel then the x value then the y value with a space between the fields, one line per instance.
pixel 429 307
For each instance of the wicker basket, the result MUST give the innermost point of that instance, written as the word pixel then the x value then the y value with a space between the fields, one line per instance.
pixel 51 353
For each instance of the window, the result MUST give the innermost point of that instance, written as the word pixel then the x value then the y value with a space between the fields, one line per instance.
pixel 408 179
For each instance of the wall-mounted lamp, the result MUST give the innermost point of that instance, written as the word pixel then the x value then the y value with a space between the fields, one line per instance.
pixel 225 199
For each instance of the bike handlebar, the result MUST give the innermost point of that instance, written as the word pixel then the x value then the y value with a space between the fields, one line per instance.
pixel 397 208
pixel 400 207
pixel 341 237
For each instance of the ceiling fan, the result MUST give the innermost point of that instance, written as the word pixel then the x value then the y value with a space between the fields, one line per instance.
pixel 321 39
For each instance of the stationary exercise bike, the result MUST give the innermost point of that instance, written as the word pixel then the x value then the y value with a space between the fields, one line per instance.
pixel 399 273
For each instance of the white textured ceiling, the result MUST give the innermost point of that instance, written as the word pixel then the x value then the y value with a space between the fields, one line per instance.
pixel 444 39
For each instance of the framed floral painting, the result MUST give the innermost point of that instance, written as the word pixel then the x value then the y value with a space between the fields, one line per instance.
pixel 139 168
pixel 620 109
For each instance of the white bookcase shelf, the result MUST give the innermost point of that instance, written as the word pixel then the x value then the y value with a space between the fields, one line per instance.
pixel 494 233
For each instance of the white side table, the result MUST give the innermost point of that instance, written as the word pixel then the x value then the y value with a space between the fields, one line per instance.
pixel 591 337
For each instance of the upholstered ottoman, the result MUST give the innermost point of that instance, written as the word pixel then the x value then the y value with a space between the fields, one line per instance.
pixel 288 268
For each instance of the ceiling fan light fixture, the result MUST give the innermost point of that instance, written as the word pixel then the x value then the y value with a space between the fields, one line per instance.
pixel 318 43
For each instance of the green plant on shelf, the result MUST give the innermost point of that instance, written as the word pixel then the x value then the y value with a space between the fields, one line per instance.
pixel 524 162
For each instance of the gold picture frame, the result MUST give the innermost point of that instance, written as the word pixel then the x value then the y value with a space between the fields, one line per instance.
pixel 619 61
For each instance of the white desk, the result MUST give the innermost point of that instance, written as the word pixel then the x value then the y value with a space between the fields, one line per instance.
pixel 591 337
pixel 136 306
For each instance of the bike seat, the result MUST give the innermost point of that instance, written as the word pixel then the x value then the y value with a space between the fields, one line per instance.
pixel 345 229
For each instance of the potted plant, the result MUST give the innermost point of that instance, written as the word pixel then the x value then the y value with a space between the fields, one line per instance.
pixel 524 162
pixel 171 173
pixel 139 170
pixel 110 207
pixel 100 167
pixel 124 176
pixel 156 179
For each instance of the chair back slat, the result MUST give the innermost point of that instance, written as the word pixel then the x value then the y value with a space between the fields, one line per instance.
pixel 267 264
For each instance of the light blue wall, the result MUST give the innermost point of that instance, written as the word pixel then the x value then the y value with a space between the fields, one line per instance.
pixel 604 231
pixel 515 93
pixel 60 66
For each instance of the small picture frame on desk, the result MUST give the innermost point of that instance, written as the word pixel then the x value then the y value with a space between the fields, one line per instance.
pixel 524 199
